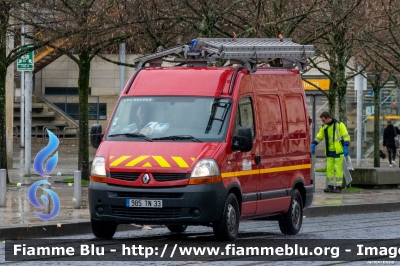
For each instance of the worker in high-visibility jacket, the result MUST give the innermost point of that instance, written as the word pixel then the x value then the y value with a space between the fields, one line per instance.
pixel 337 141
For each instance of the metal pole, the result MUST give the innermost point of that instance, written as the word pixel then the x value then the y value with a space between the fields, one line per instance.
pixel 22 107
pixel 122 52
pixel 98 108
pixel 3 187
pixel 77 189
pixel 380 113
pixel 314 121
pixel 359 86
pixel 28 121
pixel 28 114
pixel 364 86
pixel 398 105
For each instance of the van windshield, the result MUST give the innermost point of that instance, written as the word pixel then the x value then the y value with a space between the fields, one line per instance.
pixel 171 118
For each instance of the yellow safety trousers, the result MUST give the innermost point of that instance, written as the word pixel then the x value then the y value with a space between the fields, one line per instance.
pixel 334 165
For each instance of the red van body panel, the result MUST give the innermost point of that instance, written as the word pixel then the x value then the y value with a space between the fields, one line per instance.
pixel 181 81
pixel 264 177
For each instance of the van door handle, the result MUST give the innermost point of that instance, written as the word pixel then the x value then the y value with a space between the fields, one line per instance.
pixel 257 159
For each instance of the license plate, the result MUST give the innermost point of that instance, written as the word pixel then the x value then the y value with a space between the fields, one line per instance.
pixel 141 203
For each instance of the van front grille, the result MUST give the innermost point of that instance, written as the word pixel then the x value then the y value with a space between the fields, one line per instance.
pixel 128 176
pixel 153 213
pixel 164 177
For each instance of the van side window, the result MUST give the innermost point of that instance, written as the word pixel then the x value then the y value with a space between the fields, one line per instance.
pixel 270 110
pixel 245 115
pixel 296 116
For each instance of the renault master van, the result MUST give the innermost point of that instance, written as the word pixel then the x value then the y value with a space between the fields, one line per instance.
pixel 205 145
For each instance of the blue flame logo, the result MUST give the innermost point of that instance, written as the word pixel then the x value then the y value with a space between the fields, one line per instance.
pixel 49 167
pixel 44 153
pixel 35 202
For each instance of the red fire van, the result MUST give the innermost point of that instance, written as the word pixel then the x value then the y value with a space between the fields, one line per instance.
pixel 203 145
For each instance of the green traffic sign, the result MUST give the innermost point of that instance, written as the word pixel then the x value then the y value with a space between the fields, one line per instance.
pixel 26 62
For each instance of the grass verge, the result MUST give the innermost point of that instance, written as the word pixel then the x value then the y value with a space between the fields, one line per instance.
pixel 71 180
pixel 353 189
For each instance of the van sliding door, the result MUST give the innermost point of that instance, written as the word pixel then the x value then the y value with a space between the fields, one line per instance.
pixel 271 186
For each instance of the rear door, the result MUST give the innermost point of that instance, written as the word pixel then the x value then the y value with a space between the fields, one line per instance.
pixel 298 138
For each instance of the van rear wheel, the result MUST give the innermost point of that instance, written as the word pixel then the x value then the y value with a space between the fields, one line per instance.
pixel 227 228
pixel 102 229
pixel 291 222
pixel 176 228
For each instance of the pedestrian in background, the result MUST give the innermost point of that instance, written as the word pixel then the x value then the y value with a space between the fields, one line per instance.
pixel 337 141
pixel 389 134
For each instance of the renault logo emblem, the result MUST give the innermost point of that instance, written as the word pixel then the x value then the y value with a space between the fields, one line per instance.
pixel 146 179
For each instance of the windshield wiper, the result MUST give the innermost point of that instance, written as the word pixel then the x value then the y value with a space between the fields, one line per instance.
pixel 131 135
pixel 179 137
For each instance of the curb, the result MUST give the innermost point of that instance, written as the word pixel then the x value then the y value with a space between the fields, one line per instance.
pixel 320 211
pixel 84 227
pixel 55 231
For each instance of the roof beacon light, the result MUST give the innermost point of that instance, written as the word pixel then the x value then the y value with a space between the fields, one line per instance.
pixel 193 43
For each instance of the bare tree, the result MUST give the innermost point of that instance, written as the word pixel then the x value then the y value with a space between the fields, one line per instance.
pixel 336 46
pixel 381 54
pixel 383 36
pixel 88 27
pixel 209 18
pixel 9 9
pixel 378 75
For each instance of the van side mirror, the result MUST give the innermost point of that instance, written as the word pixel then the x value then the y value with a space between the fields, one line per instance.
pixel 95 135
pixel 243 141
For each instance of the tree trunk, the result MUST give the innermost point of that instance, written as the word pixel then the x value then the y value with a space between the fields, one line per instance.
pixel 3 75
pixel 332 98
pixel 83 91
pixel 342 101
pixel 3 139
pixel 4 17
pixel 376 86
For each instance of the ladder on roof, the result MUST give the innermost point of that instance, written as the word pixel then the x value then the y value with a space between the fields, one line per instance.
pixel 245 51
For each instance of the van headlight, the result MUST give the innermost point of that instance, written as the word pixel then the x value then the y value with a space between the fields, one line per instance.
pixel 99 166
pixel 205 171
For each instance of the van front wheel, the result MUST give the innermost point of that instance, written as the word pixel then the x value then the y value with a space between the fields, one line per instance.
pixel 103 229
pixel 291 222
pixel 227 228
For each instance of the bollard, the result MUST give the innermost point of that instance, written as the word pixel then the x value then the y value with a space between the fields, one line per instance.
pixel 77 189
pixel 46 207
pixel 3 187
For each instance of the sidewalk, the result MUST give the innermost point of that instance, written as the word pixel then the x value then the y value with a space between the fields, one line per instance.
pixel 18 220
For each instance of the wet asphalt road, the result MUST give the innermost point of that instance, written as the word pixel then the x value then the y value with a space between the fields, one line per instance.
pixel 364 226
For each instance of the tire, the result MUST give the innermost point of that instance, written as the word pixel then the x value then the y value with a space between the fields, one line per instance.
pixel 227 228
pixel 291 222
pixel 103 229
pixel 176 228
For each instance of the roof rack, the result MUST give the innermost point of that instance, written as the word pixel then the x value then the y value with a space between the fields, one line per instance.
pixel 247 52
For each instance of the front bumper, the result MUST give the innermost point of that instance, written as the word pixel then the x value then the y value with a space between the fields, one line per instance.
pixel 190 205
